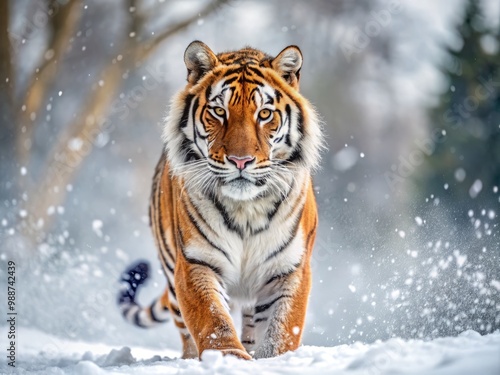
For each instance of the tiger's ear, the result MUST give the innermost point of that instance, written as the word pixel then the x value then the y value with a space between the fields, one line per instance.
pixel 199 59
pixel 288 64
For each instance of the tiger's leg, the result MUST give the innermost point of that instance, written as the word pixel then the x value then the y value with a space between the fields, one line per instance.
pixel 201 299
pixel 168 300
pixel 282 315
pixel 248 330
pixel 281 310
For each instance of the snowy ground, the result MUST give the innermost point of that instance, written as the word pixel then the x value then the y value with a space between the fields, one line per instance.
pixel 469 353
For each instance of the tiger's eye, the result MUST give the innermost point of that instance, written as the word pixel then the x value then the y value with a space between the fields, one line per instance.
pixel 220 111
pixel 264 114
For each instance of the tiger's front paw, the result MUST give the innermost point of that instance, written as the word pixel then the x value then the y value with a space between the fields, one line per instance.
pixel 268 349
pixel 237 353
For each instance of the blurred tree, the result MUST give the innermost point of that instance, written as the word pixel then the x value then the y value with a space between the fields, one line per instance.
pixel 6 93
pixel 465 126
pixel 133 47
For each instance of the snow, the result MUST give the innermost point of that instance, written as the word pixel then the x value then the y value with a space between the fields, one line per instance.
pixel 476 188
pixel 97 227
pixel 469 353
pixel 345 159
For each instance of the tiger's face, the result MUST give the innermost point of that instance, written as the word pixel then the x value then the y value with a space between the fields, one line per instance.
pixel 244 128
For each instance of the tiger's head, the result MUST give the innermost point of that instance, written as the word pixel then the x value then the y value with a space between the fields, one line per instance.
pixel 240 127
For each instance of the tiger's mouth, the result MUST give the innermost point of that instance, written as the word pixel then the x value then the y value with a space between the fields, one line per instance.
pixel 243 188
pixel 242 180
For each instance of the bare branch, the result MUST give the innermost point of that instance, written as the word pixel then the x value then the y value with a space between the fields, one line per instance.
pixel 6 86
pixel 150 46
pixel 65 157
pixel 6 76
pixel 63 23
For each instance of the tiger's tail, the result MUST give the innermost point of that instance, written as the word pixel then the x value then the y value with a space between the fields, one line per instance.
pixel 143 317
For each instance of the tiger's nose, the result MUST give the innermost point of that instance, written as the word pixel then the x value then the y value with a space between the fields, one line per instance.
pixel 240 161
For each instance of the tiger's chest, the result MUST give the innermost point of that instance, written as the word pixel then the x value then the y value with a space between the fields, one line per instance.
pixel 250 244
pixel 260 258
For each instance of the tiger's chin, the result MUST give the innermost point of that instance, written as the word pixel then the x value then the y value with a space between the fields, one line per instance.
pixel 241 190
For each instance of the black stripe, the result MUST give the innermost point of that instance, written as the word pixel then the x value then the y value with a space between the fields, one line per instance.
pixel 300 123
pixel 225 215
pixel 270 215
pixel 172 290
pixel 232 71
pixel 252 81
pixel 249 342
pixel 265 306
pixel 250 95
pixel 175 310
pixel 296 155
pixel 278 95
pixel 169 267
pixel 220 96
pixel 217 167
pixel 289 240
pixel 127 309
pixel 277 204
pixel 188 151
pixel 282 275
pixel 250 325
pixel 300 119
pixel 136 319
pixel 236 98
pixel 202 116
pixel 269 100
pixel 162 241
pixel 288 111
pixel 208 91
pixel 185 113
pixel 248 316
pixel 281 121
pixel 196 133
pixel 216 269
pixel 201 233
pixel 260 182
pixel 255 71
pixel 230 80
pixel 153 316
pixel 260 320
pixel 152 198
pixel 195 108
pixel 158 228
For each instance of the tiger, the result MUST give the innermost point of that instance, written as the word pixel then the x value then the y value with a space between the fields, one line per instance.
pixel 232 207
